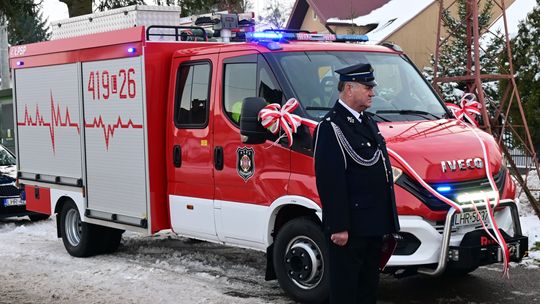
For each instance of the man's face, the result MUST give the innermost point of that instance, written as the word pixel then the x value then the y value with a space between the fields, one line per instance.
pixel 360 96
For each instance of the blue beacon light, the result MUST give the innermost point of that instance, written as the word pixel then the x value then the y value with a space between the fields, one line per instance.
pixel 20 63
pixel 131 50
pixel 444 189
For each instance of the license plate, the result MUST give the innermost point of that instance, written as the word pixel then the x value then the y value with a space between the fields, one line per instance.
pixel 470 218
pixel 17 201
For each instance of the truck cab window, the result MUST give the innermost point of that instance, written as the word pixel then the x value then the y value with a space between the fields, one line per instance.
pixel 193 87
pixel 248 80
pixel 239 83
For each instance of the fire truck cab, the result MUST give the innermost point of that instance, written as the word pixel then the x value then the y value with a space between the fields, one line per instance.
pixel 151 128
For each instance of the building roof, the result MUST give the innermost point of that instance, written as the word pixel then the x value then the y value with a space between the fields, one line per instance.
pixel 387 15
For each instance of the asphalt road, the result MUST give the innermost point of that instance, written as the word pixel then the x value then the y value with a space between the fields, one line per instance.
pixel 485 285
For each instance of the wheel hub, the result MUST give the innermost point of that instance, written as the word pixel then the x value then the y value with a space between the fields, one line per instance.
pixel 303 262
pixel 73 227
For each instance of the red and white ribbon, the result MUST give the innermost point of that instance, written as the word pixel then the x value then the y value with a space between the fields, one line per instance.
pixel 468 108
pixel 497 237
pixel 491 212
pixel 275 117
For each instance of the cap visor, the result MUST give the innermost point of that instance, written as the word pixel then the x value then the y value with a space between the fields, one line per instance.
pixel 372 83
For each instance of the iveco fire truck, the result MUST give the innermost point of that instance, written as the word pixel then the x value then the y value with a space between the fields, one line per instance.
pixel 152 127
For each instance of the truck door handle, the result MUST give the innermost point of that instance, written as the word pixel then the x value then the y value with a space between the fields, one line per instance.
pixel 177 156
pixel 218 158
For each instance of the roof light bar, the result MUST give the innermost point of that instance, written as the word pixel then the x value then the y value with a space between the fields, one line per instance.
pixel 359 38
pixel 278 35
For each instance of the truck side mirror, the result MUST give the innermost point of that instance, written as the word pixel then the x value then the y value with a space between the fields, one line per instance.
pixel 250 126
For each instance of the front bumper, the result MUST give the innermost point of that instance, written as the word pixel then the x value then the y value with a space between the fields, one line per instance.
pixel 441 246
pixel 478 249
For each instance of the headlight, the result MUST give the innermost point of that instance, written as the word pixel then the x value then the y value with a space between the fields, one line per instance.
pixel 396 173
pixel 476 196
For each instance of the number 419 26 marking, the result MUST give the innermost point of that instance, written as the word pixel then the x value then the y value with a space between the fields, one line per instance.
pixel 103 84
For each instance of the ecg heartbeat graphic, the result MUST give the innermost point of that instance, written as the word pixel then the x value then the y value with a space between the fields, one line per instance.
pixel 56 120
pixel 108 130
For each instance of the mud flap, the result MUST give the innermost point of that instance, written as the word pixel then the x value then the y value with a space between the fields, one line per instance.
pixel 270 272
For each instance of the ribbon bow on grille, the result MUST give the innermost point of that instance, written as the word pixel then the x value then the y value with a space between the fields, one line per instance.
pixel 275 117
pixel 468 110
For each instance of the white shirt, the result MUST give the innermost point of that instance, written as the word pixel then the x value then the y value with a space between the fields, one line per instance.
pixel 353 112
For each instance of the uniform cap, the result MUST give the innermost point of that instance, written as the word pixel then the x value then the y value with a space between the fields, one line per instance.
pixel 362 73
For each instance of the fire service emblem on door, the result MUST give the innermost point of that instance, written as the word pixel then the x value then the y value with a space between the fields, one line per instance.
pixel 245 162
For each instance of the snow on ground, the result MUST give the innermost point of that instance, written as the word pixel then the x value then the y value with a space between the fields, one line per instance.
pixel 157 269
pixel 530 224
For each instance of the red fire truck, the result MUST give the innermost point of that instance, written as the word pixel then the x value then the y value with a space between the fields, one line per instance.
pixel 151 128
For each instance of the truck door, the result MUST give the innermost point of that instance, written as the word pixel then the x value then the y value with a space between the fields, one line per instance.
pixel 190 155
pixel 248 178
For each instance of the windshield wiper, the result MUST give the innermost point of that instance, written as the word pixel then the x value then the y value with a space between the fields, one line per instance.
pixel 405 112
pixel 318 108
pixel 380 117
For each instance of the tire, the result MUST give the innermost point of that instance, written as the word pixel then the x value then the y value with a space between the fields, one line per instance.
pixel 38 217
pixel 80 238
pixel 301 261
pixel 110 239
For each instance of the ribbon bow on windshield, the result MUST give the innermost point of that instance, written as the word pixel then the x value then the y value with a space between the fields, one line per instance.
pixel 468 110
pixel 275 117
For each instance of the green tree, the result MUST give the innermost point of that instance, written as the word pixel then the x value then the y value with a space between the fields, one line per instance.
pixel 526 53
pixel 25 21
pixel 453 54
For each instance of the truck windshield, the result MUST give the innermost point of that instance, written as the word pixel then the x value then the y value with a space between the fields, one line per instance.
pixel 401 94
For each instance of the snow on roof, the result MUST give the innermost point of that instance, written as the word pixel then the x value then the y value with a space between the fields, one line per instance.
pixel 388 18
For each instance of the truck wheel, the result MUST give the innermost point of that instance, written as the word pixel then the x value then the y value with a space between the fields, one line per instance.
pixel 38 217
pixel 110 239
pixel 80 239
pixel 301 261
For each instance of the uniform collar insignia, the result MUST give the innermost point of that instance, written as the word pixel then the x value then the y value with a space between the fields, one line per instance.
pixel 350 119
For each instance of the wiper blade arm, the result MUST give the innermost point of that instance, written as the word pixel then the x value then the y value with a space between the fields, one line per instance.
pixel 405 112
pixel 380 117
pixel 318 108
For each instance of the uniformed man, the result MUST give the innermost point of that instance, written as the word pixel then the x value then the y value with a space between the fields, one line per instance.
pixel 355 185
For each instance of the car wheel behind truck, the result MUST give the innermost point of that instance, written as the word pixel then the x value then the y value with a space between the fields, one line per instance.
pixel 301 261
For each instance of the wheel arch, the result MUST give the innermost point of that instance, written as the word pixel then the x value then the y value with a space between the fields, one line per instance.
pixel 287 208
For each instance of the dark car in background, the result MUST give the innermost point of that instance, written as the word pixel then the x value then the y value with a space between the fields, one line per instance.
pixel 12 199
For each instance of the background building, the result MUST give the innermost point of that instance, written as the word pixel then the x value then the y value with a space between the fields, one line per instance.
pixel 410 24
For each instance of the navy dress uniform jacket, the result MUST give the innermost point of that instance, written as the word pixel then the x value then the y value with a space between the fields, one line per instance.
pixel 356 198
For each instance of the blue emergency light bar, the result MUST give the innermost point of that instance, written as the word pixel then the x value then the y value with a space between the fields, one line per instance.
pixel 282 36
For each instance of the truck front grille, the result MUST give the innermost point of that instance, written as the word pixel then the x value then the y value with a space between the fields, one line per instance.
pixel 436 204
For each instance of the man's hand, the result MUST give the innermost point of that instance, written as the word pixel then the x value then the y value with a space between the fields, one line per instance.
pixel 340 238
